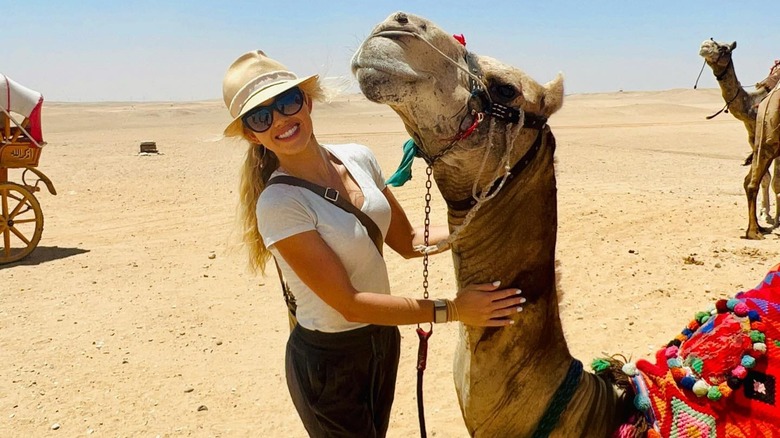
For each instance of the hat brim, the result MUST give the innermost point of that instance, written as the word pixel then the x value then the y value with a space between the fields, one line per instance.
pixel 234 128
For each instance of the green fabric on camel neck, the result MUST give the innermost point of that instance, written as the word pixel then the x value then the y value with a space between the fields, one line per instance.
pixel 404 172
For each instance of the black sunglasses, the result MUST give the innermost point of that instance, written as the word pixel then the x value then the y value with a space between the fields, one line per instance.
pixel 260 118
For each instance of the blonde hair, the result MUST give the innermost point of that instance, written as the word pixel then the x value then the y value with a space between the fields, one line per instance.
pixel 258 166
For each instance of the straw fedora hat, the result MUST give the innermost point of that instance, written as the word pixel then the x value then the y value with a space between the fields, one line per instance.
pixel 252 79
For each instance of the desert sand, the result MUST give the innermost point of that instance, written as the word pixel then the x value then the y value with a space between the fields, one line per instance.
pixel 136 316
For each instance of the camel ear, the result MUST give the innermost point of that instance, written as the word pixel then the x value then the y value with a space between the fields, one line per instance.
pixel 732 46
pixel 553 96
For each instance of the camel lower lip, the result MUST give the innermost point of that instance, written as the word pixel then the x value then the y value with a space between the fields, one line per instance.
pixel 369 73
pixel 375 85
pixel 385 56
pixel 374 72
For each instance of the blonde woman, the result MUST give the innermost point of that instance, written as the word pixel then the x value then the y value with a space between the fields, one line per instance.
pixel 342 356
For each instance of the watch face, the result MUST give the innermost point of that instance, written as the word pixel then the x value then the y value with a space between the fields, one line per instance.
pixel 439 311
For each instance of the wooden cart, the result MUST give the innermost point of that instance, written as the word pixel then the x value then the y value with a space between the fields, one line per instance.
pixel 21 143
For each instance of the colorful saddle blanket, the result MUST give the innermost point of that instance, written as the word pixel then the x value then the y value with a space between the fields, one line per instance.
pixel 718 378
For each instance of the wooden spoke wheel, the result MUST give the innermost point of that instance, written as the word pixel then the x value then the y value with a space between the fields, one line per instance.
pixel 21 222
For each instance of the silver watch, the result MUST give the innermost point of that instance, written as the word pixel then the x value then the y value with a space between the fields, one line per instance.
pixel 439 311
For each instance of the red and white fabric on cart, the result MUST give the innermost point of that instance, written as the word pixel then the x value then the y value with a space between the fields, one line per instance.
pixel 24 101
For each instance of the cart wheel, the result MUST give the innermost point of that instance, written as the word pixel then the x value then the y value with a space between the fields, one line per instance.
pixel 21 222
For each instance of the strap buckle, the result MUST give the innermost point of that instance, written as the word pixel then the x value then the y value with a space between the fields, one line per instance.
pixel 331 194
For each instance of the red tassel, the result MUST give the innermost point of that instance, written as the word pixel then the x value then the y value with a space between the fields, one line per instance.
pixel 461 39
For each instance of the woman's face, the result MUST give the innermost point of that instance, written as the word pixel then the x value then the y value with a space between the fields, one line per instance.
pixel 288 135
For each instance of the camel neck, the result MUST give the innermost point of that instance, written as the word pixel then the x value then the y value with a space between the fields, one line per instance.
pixel 512 174
pixel 733 93
pixel 728 82
pixel 531 233
pixel 539 356
pixel 486 168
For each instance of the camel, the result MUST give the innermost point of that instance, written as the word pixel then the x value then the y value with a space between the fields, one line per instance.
pixel 499 374
pixel 742 105
pixel 481 126
pixel 766 150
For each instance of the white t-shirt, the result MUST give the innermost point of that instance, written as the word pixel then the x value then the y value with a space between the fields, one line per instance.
pixel 284 210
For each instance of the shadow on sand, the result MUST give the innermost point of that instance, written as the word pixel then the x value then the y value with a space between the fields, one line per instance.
pixel 43 254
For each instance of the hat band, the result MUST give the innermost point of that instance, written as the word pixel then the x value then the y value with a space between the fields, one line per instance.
pixel 256 85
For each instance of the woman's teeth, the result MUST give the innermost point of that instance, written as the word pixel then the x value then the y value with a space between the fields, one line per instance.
pixel 288 133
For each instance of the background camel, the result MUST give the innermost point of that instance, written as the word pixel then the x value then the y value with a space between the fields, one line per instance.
pixel 743 106
pixel 766 150
pixel 480 125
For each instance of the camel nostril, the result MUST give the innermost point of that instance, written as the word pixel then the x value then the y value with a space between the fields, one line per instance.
pixel 401 18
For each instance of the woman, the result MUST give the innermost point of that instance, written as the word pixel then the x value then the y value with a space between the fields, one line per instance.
pixel 342 356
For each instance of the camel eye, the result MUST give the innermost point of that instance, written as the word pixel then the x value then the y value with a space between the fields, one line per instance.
pixel 504 92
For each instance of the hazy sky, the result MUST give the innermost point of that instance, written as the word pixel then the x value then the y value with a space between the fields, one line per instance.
pixel 91 50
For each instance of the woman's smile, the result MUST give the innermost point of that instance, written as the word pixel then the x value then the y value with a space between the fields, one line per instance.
pixel 294 129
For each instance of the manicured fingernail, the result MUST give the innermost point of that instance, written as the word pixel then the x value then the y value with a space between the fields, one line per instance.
pixel 511 322
pixel 497 283
pixel 522 300
pixel 519 309
pixel 519 292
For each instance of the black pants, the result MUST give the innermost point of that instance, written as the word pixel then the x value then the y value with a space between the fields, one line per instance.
pixel 342 384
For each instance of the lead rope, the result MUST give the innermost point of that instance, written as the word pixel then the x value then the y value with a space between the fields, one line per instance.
pixel 696 84
pixel 422 350
pixel 725 107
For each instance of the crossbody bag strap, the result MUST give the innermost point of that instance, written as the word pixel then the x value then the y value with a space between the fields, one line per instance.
pixel 332 195
pixel 289 298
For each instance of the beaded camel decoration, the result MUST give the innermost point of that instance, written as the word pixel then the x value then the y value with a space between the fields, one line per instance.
pixel 717 378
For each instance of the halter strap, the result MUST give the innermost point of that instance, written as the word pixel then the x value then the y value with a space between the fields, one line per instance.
pixel 722 74
pixel 491 108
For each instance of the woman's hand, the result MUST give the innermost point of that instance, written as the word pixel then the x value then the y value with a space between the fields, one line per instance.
pixel 487 306
pixel 433 249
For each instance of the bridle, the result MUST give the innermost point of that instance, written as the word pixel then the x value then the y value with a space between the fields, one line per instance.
pixel 480 107
pixel 721 50
pixel 478 96
pixel 478 93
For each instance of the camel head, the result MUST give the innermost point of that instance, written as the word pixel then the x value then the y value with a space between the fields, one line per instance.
pixel 717 55
pixel 422 72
